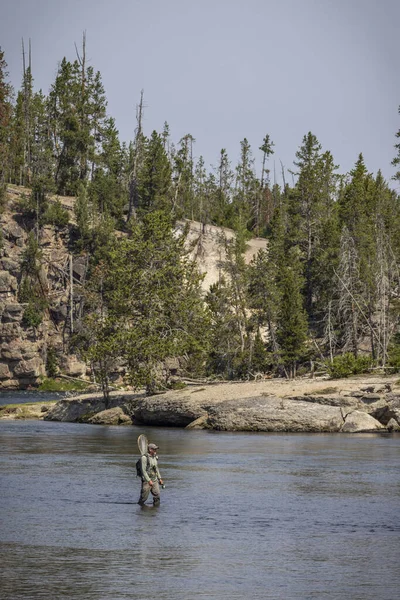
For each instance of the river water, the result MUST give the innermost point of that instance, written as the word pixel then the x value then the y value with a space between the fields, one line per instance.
pixel 280 516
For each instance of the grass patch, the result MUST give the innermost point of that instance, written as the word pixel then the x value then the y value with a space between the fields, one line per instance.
pixel 323 392
pixel 62 385
pixel 178 385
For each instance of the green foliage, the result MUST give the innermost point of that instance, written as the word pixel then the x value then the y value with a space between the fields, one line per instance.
pixel 347 364
pixel 56 215
pixel 331 267
pixel 62 385
pixel 145 305
pixel 34 312
pixel 51 362
pixel 394 354
pixel 292 319
pixel 30 263
pixel 3 197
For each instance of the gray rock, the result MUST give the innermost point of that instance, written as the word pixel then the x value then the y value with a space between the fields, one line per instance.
pixel 371 397
pixel 393 425
pixel 4 371
pixel 356 394
pixel 112 416
pixel 200 423
pixel 166 411
pixel 389 409
pixel 81 408
pixel 274 414
pixel 75 409
pixel 11 352
pixel 59 313
pixel 29 368
pixel 14 232
pixel 360 422
pixel 8 283
pixel 338 400
pixel 10 265
pixel 9 331
pixel 9 384
pixel 70 365
pixel 79 268
pixel 12 313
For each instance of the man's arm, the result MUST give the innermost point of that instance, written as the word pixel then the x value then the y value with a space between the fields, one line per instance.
pixel 158 473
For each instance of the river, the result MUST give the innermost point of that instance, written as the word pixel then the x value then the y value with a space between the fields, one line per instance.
pixel 279 516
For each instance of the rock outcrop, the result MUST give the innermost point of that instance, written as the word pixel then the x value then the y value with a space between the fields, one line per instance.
pixel 24 349
pixel 237 407
pixel 112 416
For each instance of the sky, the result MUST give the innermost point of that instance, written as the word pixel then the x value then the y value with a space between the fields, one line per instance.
pixel 224 70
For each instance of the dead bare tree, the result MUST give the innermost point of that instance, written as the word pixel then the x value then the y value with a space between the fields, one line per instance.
pixel 137 158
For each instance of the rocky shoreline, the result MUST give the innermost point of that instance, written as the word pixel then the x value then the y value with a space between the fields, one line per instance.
pixel 345 406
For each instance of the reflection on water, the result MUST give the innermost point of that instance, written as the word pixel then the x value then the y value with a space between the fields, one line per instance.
pixel 244 515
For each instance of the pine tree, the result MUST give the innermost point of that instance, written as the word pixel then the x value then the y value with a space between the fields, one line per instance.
pixel 311 202
pixel 292 318
pixel 264 204
pixel 5 122
pixel 151 300
pixel 221 200
pixel 246 188
pixel 154 186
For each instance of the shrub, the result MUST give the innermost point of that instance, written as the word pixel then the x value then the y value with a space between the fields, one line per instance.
pixel 51 363
pixel 3 197
pixel 394 354
pixel 56 215
pixel 347 364
pixel 32 316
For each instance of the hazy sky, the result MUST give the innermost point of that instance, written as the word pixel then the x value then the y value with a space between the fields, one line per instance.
pixel 223 70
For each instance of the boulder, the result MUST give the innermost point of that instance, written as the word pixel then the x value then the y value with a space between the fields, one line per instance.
pixel 112 416
pixel 4 371
pixel 337 400
pixel 71 366
pixel 9 331
pixel 268 413
pixel 177 411
pixel 393 425
pixel 12 313
pixel 360 422
pixel 79 268
pixel 8 283
pixel 14 233
pixel 28 368
pixel 387 410
pixel 75 409
pixel 200 423
pixel 11 351
pixel 59 313
pixel 10 265
pixel 372 397
pixel 9 384
pixel 47 236
pixel 82 408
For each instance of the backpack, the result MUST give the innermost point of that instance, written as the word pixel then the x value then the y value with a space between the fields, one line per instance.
pixel 139 466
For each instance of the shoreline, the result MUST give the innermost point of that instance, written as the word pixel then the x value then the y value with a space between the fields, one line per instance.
pixel 357 404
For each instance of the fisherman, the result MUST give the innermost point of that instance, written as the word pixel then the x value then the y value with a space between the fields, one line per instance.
pixel 151 478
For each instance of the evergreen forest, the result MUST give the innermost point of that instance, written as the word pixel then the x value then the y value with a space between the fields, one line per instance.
pixel 324 294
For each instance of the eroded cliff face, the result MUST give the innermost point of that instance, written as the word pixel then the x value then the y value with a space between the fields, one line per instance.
pixel 24 349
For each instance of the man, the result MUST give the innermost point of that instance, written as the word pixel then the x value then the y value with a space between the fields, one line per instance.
pixel 151 477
